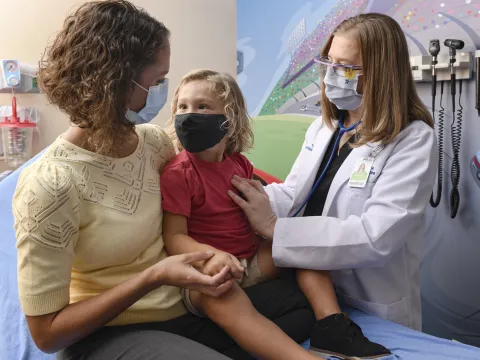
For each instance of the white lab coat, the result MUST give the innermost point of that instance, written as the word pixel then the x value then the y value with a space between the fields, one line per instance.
pixel 370 238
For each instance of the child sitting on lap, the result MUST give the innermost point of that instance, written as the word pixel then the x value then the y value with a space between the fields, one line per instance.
pixel 210 123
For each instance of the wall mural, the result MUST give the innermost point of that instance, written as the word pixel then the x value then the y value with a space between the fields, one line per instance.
pixel 277 41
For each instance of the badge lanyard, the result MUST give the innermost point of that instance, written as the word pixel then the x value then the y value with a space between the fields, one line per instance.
pixel 342 131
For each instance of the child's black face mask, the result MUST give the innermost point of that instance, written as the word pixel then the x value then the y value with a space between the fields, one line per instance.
pixel 199 132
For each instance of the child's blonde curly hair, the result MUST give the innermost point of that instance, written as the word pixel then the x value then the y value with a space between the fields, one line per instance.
pixel 224 86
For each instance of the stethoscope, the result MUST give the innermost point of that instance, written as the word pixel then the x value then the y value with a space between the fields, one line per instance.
pixel 342 131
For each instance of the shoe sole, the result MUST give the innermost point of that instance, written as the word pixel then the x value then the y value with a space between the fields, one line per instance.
pixel 328 354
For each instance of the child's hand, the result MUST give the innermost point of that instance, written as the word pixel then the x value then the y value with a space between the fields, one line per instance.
pixel 221 259
pixel 178 271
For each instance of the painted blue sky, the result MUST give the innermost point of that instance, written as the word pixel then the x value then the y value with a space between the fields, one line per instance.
pixel 263 31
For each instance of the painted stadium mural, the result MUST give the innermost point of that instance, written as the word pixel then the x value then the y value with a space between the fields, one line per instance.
pixel 278 40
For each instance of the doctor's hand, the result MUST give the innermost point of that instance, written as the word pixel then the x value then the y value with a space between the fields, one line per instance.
pixel 256 206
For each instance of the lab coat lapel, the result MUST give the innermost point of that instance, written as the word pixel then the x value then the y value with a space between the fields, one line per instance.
pixel 343 174
pixel 310 164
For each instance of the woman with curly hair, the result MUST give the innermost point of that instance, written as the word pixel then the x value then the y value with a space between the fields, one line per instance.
pixel 94 278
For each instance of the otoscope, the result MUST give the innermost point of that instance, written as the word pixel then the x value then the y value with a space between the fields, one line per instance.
pixel 477 81
pixel 434 49
pixel 456 129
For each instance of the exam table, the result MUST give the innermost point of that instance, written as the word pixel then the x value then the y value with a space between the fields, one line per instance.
pixel 16 342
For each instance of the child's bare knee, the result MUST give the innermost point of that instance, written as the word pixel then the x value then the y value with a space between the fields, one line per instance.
pixel 235 301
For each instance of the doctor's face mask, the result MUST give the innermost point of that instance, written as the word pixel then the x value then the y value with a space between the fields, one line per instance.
pixel 341 82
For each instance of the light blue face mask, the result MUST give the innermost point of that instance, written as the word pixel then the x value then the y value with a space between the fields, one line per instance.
pixel 156 99
pixel 342 91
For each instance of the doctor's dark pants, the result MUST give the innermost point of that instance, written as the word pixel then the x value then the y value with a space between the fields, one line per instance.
pixel 279 300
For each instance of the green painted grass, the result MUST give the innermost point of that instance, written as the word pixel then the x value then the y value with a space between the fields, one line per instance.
pixel 278 139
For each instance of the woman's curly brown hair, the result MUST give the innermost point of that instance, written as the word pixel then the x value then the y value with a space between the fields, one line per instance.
pixel 88 70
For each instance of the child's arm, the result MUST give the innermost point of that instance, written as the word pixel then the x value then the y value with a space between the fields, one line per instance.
pixel 175 236
pixel 178 242
pixel 176 205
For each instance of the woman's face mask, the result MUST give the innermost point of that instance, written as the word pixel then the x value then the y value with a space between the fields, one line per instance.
pixel 156 99
pixel 341 90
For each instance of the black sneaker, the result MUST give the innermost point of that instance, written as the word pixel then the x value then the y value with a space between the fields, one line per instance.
pixel 337 335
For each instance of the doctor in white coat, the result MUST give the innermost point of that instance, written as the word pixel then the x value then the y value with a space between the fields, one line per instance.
pixel 367 230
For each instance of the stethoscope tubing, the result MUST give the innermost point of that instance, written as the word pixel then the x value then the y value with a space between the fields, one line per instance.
pixel 342 131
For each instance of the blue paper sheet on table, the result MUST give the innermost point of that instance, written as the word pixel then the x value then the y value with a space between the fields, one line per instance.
pixel 16 343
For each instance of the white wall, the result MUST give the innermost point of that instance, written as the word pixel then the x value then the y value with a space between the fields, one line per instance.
pixel 203 35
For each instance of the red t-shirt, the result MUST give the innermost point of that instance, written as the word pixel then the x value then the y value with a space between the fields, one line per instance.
pixel 199 190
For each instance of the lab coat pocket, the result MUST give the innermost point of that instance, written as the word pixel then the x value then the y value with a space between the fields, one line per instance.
pixel 397 312
pixel 357 198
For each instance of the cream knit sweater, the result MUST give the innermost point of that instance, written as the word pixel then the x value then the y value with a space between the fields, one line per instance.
pixel 87 222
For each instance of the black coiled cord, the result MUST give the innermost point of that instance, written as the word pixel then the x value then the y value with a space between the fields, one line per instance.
pixel 441 114
pixel 456 134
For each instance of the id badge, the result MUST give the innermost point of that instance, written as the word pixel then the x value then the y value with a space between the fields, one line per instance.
pixel 361 172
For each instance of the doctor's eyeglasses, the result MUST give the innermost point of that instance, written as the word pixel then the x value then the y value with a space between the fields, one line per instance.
pixel 348 71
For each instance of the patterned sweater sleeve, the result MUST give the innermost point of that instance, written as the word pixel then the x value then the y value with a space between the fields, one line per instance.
pixel 46 209
pixel 169 152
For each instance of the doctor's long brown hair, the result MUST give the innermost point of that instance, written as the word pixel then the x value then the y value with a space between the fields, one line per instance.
pixel 390 100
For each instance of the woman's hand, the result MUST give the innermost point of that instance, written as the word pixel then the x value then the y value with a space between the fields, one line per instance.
pixel 256 206
pixel 55 331
pixel 178 271
pixel 220 260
